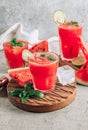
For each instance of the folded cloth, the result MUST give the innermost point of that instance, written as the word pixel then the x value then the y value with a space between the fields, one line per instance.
pixel 18 32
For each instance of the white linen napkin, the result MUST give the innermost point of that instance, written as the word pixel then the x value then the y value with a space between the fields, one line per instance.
pixel 18 32
pixel 65 73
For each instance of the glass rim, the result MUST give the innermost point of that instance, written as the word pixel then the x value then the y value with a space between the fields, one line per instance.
pixel 61 25
pixel 40 64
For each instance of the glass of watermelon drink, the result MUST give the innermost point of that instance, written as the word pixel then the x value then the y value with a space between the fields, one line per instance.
pixel 13 53
pixel 43 69
pixel 69 43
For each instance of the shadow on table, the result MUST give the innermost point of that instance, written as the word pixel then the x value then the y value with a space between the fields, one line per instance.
pixel 3 92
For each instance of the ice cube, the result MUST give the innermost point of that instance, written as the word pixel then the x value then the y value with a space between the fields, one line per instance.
pixel 66 74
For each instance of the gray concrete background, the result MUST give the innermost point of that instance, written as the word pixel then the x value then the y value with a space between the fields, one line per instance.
pixel 39 14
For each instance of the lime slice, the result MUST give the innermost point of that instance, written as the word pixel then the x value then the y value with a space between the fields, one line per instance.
pixel 78 61
pixel 59 16
pixel 26 54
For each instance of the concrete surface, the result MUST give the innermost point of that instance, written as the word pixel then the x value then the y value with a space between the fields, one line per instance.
pixel 72 117
pixel 39 14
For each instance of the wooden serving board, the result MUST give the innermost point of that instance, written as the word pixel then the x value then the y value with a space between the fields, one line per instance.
pixel 56 99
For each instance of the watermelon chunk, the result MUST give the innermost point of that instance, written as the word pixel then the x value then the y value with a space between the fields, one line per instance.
pixel 40 47
pixel 81 75
pixel 21 75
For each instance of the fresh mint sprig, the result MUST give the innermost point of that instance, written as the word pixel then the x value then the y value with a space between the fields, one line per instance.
pixel 74 22
pixel 14 42
pixel 43 55
pixel 26 93
pixel 49 57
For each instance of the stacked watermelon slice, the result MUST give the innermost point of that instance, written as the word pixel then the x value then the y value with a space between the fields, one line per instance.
pixel 82 75
pixel 40 47
pixel 21 75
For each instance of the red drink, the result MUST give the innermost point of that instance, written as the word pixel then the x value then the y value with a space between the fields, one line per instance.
pixel 43 69
pixel 14 54
pixel 68 39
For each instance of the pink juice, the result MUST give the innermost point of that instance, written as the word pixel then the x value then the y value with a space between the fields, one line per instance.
pixel 43 70
pixel 68 34
pixel 13 54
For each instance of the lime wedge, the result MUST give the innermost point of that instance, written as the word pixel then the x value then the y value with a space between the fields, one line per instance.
pixel 78 61
pixel 59 16
pixel 26 54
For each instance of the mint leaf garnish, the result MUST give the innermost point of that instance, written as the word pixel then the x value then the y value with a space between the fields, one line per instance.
pixel 14 42
pixel 51 58
pixel 28 86
pixel 26 93
pixel 16 92
pixel 74 22
pixel 20 44
pixel 43 55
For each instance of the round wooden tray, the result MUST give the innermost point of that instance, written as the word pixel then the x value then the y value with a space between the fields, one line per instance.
pixel 53 100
